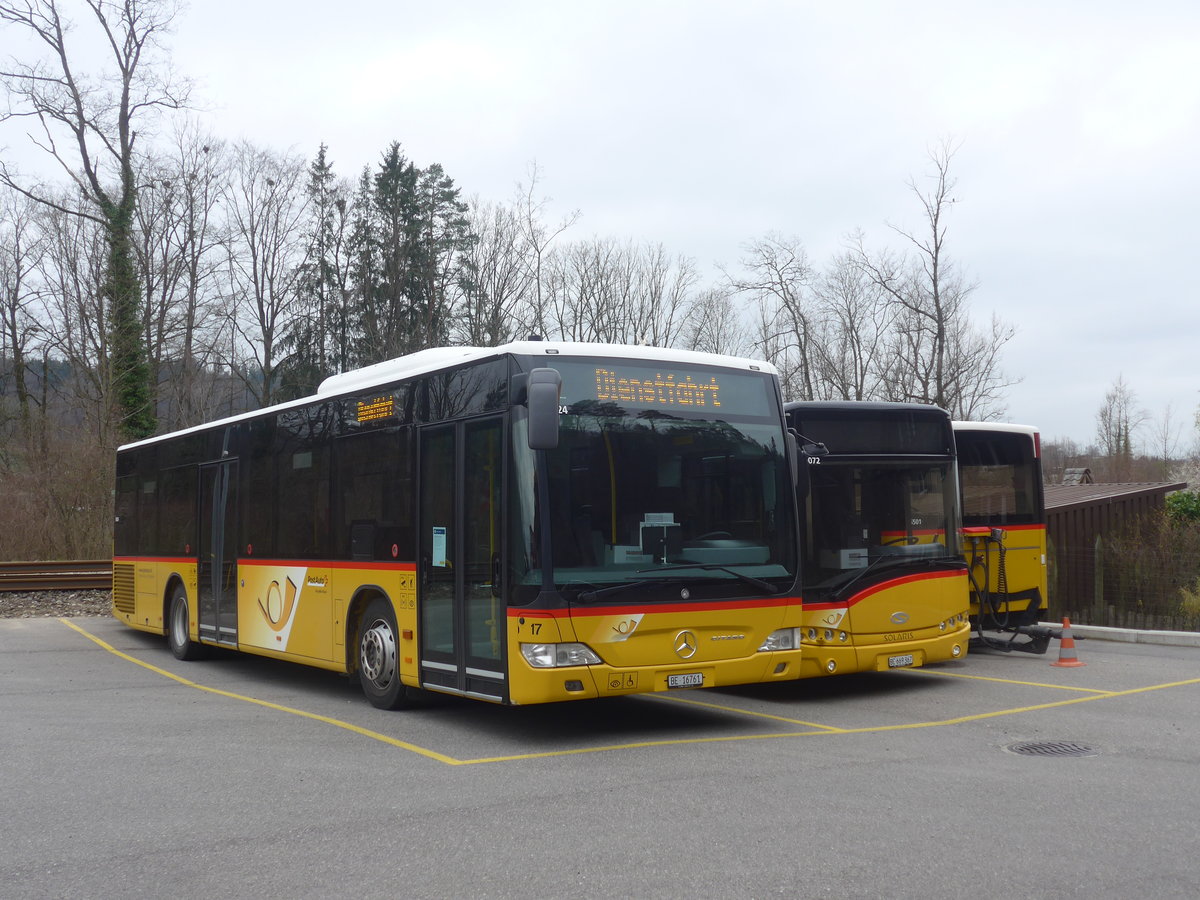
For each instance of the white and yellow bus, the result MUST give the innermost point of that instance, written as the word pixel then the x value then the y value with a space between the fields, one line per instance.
pixel 884 581
pixel 1004 533
pixel 528 523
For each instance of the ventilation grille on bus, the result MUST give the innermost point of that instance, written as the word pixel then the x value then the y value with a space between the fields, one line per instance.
pixel 123 587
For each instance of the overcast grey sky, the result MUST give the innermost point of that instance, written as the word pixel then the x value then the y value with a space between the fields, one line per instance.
pixel 704 125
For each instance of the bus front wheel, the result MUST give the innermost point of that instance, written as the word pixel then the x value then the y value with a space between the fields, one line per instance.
pixel 178 636
pixel 378 671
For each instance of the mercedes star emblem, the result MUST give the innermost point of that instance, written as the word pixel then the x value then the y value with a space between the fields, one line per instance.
pixel 685 645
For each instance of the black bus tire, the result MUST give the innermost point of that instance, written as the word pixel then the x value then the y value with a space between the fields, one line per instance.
pixel 178 637
pixel 378 657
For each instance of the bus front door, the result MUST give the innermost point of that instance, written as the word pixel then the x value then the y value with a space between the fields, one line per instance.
pixel 218 553
pixel 462 616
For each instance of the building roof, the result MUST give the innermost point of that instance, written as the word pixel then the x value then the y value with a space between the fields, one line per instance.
pixel 1060 496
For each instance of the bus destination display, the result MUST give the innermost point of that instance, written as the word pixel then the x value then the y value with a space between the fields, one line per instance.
pixel 376 409
pixel 667 390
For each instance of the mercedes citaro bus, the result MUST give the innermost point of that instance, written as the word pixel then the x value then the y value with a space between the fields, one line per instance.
pixel 520 524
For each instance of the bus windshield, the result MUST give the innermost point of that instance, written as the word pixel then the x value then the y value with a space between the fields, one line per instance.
pixel 1001 484
pixel 662 476
pixel 876 514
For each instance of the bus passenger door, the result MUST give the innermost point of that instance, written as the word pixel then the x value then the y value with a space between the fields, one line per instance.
pixel 463 620
pixel 217 574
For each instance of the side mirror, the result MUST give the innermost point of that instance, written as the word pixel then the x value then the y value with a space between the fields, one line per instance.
pixel 544 392
pixel 798 462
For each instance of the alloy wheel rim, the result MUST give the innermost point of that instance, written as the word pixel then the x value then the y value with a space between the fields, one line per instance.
pixel 378 654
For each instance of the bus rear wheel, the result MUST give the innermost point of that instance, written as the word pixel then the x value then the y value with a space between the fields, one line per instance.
pixel 178 636
pixel 378 670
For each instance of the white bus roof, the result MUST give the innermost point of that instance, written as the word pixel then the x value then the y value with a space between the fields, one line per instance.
pixel 437 358
pixel 1006 427
pixel 442 357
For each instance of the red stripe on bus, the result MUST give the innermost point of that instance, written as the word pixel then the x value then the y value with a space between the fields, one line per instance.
pixel 364 565
pixel 624 610
pixel 883 586
pixel 154 559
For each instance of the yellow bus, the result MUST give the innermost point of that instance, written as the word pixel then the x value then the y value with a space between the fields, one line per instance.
pixel 883 577
pixel 1004 533
pixel 528 523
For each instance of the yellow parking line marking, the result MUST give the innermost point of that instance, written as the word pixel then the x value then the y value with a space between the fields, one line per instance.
pixel 674 698
pixel 1062 687
pixel 636 745
pixel 822 730
pixel 1022 709
pixel 338 723
pixel 870 729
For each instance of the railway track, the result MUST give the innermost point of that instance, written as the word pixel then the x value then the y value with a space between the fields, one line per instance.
pixel 72 575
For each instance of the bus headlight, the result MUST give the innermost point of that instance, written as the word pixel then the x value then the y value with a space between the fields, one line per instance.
pixel 550 656
pixel 781 639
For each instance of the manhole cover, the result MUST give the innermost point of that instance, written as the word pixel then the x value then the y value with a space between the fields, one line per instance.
pixel 1052 748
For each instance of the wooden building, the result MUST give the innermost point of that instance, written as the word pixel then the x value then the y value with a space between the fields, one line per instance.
pixel 1080 518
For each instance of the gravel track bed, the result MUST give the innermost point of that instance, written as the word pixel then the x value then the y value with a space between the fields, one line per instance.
pixel 38 604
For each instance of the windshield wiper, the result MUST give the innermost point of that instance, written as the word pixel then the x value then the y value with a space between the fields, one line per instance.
pixel 765 586
pixel 745 579
pixel 598 593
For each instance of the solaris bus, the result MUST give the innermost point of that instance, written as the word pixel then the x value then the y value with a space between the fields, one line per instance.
pixel 884 581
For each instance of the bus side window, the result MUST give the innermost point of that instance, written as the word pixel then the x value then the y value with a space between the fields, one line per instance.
pixel 125 530
pixel 373 500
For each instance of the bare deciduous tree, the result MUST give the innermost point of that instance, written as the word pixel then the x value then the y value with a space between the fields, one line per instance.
pixel 603 291
pixel 661 295
pixel 88 122
pixel 1117 422
pixel 21 249
pixel 778 282
pixel 1165 438
pixel 497 276
pixel 537 238
pixel 936 354
pixel 853 330
pixel 715 325
pixel 265 204
pixel 72 273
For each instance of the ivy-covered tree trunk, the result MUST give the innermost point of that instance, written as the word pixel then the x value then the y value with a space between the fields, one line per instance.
pixel 91 105
pixel 129 367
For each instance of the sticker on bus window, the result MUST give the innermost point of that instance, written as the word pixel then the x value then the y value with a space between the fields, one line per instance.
pixel 439 546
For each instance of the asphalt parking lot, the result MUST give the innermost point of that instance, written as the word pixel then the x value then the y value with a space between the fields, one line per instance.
pixel 129 773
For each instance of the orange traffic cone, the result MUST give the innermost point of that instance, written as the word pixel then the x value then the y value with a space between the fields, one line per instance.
pixel 1066 648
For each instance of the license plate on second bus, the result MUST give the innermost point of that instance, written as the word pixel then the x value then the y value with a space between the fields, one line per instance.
pixel 691 679
pixel 899 662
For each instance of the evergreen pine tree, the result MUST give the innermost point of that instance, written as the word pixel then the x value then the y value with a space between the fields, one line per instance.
pixel 314 339
pixel 396 299
pixel 438 254
pixel 361 318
